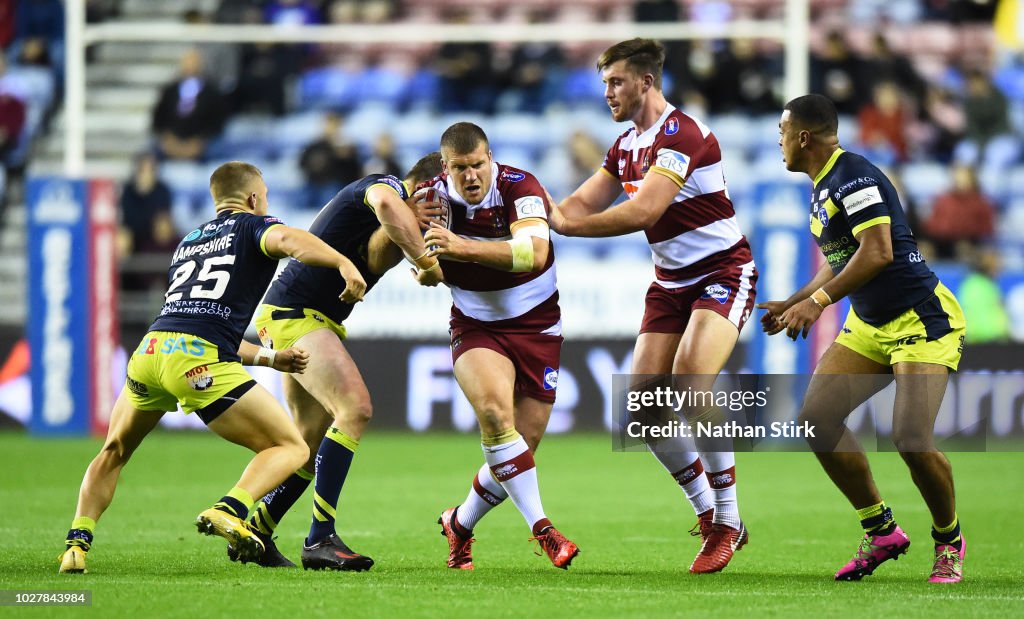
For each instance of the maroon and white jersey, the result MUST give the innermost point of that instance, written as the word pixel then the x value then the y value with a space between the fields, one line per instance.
pixel 698 234
pixel 491 295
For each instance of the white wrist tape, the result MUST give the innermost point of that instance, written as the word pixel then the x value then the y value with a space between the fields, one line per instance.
pixel 265 353
pixel 522 254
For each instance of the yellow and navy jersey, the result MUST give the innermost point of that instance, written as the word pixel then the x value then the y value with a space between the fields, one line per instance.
pixel 346 224
pixel 218 274
pixel 851 195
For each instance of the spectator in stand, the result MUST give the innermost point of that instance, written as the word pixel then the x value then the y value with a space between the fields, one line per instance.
pixel 742 79
pixel 382 159
pixel 146 224
pixel 982 300
pixel 190 112
pixel 535 73
pixel 222 60
pixel 328 163
pixel 883 124
pixel 838 74
pixel 961 216
pixel 465 72
pixel 586 155
pixel 265 70
pixel 13 114
pixel 6 23
pixel 942 124
pixel 882 64
pixel 292 12
pixel 988 121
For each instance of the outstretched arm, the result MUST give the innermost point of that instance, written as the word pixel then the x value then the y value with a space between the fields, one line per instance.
pixel 637 213
pixel 281 241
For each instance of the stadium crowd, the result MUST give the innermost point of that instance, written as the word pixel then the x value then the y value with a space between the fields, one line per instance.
pixel 923 87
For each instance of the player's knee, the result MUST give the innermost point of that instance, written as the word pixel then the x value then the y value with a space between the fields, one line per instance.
pixel 912 441
pixel 298 452
pixel 493 415
pixel 357 412
pixel 115 452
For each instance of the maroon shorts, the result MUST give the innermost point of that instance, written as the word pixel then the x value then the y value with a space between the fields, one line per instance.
pixel 535 356
pixel 729 292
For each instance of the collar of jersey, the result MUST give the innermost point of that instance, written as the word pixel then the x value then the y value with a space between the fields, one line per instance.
pixel 647 137
pixel 489 201
pixel 828 166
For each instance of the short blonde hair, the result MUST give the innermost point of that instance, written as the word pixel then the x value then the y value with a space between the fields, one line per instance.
pixel 233 181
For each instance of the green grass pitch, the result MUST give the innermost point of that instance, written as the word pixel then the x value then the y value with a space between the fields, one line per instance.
pixel 627 516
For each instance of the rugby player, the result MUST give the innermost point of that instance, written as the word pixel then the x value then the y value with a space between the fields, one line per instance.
pixel 193 356
pixel 506 330
pixel 670 166
pixel 903 321
pixel 369 223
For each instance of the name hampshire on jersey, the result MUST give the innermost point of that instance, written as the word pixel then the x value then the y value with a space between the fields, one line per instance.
pixel 205 248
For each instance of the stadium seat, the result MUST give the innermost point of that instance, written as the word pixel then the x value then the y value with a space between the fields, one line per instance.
pixel 924 180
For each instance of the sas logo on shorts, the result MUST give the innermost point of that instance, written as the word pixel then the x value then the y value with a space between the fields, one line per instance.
pixel 512 177
pixel 550 379
pixel 717 292
pixel 199 378
pixel 671 126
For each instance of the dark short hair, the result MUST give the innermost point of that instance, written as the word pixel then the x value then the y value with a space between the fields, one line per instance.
pixel 462 138
pixel 642 56
pixel 815 113
pixel 233 180
pixel 425 169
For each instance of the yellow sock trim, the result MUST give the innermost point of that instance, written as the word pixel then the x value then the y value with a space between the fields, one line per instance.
pixel 318 511
pixel 85 523
pixel 263 520
pixel 242 495
pixel 508 436
pixel 324 505
pixel 304 474
pixel 871 511
pixel 342 439
pixel 947 529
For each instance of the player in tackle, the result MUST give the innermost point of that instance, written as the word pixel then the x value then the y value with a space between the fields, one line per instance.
pixel 369 223
pixel 902 322
pixel 193 356
pixel 670 166
pixel 506 330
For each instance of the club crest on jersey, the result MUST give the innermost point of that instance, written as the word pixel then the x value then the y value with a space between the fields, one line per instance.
pixel 717 292
pixel 671 126
pixel 550 379
pixel 823 216
pixel 647 163
pixel 199 378
pixel 622 165
pixel 512 177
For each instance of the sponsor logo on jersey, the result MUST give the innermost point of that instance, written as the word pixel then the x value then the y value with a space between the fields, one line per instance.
pixel 195 234
pixel 862 181
pixel 717 292
pixel 199 378
pixel 530 206
pixel 512 177
pixel 860 200
pixel 671 126
pixel 393 183
pixel 550 379
pixel 139 389
pixel 673 161
pixel 823 194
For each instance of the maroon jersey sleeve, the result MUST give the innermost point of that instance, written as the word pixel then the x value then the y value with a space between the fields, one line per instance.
pixel 523 196
pixel 680 145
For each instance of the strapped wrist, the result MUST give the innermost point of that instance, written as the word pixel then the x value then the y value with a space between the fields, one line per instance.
pixel 268 354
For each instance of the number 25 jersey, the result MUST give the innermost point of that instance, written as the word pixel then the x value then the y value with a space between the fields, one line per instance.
pixel 218 275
